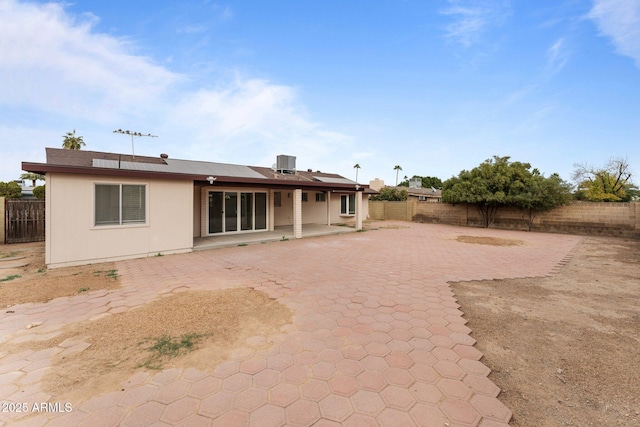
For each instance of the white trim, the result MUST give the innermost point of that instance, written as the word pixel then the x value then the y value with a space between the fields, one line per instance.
pixel 348 205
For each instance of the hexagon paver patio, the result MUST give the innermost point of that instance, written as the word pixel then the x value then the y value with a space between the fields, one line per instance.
pixel 377 336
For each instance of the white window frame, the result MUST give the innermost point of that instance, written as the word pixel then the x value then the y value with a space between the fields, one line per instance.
pixel 351 210
pixel 120 222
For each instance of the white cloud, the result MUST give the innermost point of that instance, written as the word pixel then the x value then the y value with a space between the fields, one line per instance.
pixel 54 63
pixel 253 114
pixel 557 57
pixel 620 21
pixel 471 18
pixel 58 68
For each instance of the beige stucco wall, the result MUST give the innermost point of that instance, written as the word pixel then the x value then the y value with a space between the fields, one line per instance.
pixel 283 214
pixel 338 218
pixel 72 238
pixel 315 212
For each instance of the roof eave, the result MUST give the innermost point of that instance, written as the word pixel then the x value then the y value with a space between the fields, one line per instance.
pixel 43 168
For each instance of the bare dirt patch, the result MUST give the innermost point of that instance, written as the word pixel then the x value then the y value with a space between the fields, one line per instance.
pixel 485 240
pixel 187 329
pixel 33 282
pixel 564 349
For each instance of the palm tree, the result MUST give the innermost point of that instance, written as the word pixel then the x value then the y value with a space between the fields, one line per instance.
pixel 356 167
pixel 33 177
pixel 397 168
pixel 72 142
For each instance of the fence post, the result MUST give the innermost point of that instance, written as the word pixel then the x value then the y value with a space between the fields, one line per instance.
pixel 3 209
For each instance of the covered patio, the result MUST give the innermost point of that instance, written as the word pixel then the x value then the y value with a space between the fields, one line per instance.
pixel 279 233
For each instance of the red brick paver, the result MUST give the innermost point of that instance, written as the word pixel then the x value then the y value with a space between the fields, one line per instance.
pixel 377 336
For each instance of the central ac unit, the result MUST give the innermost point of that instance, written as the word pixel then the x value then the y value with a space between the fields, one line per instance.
pixel 286 164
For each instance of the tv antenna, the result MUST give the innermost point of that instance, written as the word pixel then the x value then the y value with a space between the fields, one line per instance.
pixel 133 134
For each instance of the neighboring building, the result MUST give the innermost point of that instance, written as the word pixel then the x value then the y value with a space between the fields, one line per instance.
pixel 27 190
pixel 414 189
pixel 425 194
pixel 108 206
pixel 376 184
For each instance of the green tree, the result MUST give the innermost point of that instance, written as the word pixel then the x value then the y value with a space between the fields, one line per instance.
pixel 39 192
pixel 33 177
pixel 497 182
pixel 541 194
pixel 397 168
pixel 10 190
pixel 392 194
pixel 72 142
pixel 610 183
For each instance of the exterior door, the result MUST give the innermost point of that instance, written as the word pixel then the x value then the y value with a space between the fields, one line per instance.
pixel 230 211
pixel 216 211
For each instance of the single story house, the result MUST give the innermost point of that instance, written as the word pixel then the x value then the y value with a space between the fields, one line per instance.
pixel 432 195
pixel 414 190
pixel 108 206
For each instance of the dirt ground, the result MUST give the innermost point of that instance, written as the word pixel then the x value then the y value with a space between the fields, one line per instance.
pixel 564 349
pixel 34 283
pixel 187 329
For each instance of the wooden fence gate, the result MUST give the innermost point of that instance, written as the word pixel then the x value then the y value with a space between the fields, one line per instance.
pixel 24 221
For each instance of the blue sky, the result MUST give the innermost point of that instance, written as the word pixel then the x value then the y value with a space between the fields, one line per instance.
pixel 433 86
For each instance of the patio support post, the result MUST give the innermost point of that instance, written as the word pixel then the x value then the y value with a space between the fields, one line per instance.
pixel 358 210
pixel 204 206
pixel 272 210
pixel 328 199
pixel 297 213
pixel 2 219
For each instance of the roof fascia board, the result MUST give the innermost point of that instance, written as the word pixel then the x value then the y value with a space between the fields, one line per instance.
pixel 266 182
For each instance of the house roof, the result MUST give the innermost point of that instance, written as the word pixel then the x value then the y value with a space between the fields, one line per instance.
pixel 115 164
pixel 427 192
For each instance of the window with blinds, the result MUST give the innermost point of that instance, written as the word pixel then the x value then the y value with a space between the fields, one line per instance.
pixel 117 204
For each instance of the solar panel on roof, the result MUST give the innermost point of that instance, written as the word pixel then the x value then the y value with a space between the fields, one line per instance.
pixel 334 180
pixel 186 167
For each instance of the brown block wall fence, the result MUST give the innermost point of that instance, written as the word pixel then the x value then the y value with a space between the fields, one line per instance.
pixel 606 219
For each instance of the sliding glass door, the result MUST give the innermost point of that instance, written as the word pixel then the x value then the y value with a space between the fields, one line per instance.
pixel 232 211
pixel 246 211
pixel 216 211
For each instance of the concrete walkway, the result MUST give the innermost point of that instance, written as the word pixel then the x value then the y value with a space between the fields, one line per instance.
pixel 283 232
pixel 377 337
